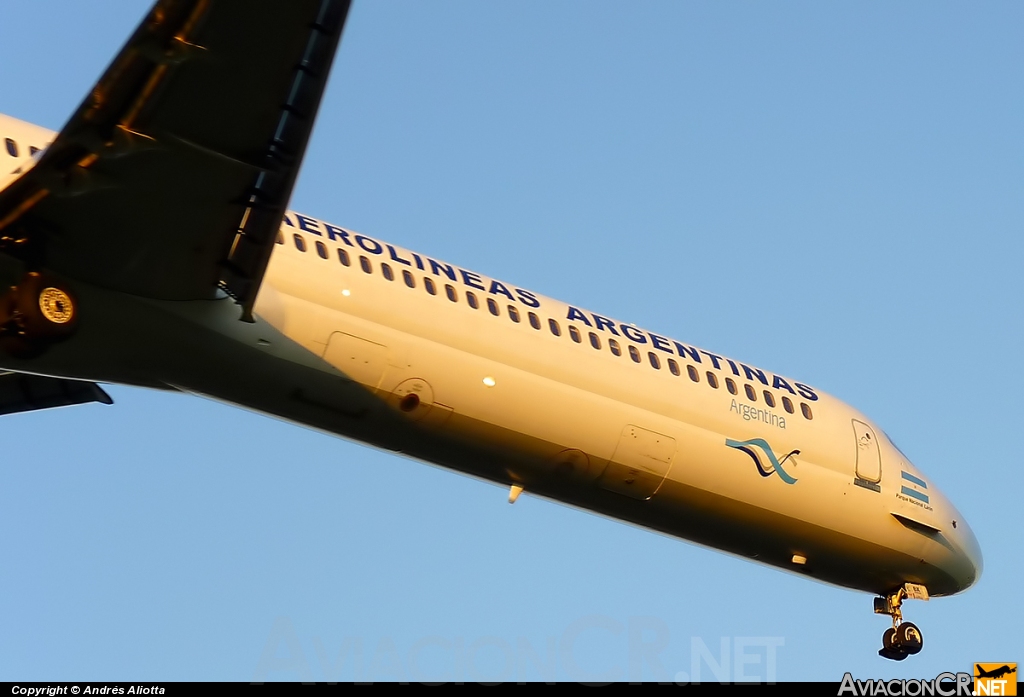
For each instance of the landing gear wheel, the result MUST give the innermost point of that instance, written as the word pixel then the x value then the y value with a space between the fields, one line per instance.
pixel 889 639
pixel 36 313
pixel 45 307
pixel 909 638
pixel 903 638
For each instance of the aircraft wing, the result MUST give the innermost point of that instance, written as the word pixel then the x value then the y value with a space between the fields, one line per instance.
pixel 22 392
pixel 173 176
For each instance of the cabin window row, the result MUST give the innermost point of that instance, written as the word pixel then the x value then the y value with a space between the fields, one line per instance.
pixel 514 314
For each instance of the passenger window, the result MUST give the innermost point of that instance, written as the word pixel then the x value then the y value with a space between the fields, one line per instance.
pixel 673 366
pixel 450 292
pixel 751 395
pixel 595 340
pixel 513 313
pixel 408 278
pixel 634 354
pixel 493 307
pixel 787 404
pixel 555 329
pixel 806 410
pixel 712 380
pixel 614 346
pixel 343 257
pixel 428 283
pixel 300 243
pixel 364 263
pixel 12 147
pixel 769 398
pixel 692 372
pixel 534 320
pixel 321 249
pixel 655 361
pixel 575 334
pixel 471 299
pixel 730 385
pixel 33 151
pixel 388 273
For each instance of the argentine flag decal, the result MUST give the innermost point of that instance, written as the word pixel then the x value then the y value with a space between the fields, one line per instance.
pixel 914 487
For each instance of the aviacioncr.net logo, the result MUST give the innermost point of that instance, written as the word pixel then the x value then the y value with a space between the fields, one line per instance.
pixel 944 685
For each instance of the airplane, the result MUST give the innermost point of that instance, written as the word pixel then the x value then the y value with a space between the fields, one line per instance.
pixel 149 244
pixel 995 672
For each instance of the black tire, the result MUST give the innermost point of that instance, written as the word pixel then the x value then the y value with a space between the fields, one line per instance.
pixel 46 308
pixel 910 638
pixel 889 639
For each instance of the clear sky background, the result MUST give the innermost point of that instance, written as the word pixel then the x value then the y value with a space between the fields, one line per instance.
pixel 832 191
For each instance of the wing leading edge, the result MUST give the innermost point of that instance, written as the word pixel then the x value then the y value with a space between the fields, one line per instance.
pixel 173 176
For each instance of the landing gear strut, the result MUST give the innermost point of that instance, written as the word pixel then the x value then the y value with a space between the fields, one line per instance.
pixel 904 638
pixel 36 313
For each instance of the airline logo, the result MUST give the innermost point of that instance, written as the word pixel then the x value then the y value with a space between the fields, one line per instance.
pixel 995 678
pixel 914 487
pixel 763 456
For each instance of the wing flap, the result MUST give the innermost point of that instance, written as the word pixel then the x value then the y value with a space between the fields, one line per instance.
pixel 21 392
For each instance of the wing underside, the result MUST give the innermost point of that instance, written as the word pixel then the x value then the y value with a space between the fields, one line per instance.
pixel 173 176
pixel 20 392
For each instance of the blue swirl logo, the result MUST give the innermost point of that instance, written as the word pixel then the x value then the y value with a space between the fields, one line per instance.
pixel 773 467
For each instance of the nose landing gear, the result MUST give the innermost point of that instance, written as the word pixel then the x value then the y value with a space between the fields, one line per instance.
pixel 34 314
pixel 904 638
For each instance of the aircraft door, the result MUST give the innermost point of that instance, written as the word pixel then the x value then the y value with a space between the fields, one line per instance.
pixel 360 360
pixel 869 458
pixel 640 463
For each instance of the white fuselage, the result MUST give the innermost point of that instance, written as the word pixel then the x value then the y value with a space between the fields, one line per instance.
pixel 404 352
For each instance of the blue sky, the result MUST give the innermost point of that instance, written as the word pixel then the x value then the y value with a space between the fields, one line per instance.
pixel 830 191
